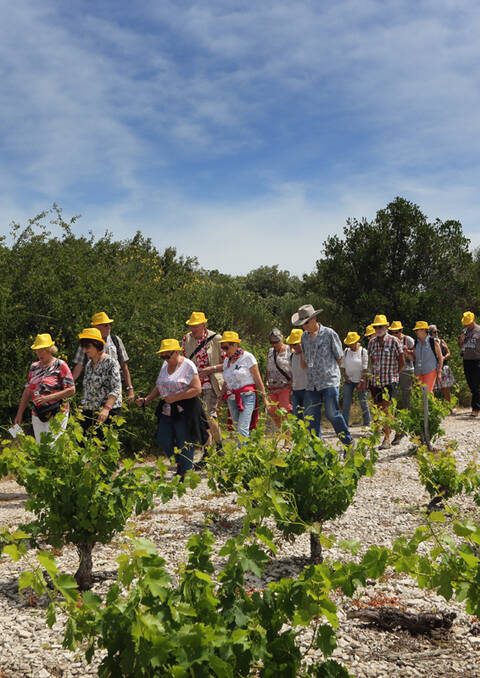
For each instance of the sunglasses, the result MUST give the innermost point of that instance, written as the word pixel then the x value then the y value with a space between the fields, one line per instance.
pixel 167 356
pixel 224 346
pixel 395 331
pixel 277 341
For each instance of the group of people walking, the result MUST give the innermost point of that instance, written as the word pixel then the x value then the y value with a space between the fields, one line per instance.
pixel 303 373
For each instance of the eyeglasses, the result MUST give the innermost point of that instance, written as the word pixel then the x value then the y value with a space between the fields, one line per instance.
pixel 395 331
pixel 229 343
pixel 277 341
pixel 167 356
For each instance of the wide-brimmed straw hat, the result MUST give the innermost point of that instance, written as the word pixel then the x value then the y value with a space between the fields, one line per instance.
pixel 351 338
pixel 197 318
pixel 380 320
pixel 230 337
pixel 168 345
pixel 42 341
pixel 295 337
pixel 304 314
pixel 101 319
pixel 92 333
pixel 421 325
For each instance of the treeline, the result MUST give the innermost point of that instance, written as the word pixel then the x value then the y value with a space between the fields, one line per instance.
pixel 52 280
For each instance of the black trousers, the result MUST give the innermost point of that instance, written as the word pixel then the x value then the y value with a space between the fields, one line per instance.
pixel 472 375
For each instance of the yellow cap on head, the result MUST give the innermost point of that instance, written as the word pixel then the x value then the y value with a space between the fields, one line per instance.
pixel 169 345
pixel 197 318
pixel 395 326
pixel 42 341
pixel 421 325
pixel 92 333
pixel 380 320
pixel 351 338
pixel 295 337
pixel 468 318
pixel 101 319
pixel 231 337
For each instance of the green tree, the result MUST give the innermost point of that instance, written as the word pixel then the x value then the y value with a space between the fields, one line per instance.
pixel 399 264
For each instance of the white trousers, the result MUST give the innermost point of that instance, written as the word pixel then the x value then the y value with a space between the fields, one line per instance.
pixel 44 426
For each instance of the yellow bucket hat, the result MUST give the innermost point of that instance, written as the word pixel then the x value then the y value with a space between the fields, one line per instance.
pixel 230 337
pixel 468 318
pixel 295 337
pixel 421 325
pixel 197 318
pixel 101 318
pixel 351 338
pixel 395 326
pixel 369 330
pixel 42 341
pixel 380 320
pixel 92 333
pixel 168 345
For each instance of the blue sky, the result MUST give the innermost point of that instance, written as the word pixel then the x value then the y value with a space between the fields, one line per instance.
pixel 241 133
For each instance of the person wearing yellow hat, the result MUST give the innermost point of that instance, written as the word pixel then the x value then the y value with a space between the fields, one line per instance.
pixel 469 342
pixel 387 361
pixel 369 332
pixel 49 384
pixel 405 381
pixel 202 346
pixel 102 385
pixel 242 384
pixel 427 356
pixel 354 368
pixel 299 373
pixel 114 347
pixel 182 423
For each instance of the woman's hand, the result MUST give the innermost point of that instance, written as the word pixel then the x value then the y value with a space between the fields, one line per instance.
pixel 141 401
pixel 103 415
pixel 131 396
pixel 18 419
pixel 45 399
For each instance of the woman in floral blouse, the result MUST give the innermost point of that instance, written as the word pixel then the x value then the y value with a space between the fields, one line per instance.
pixel 49 383
pixel 102 386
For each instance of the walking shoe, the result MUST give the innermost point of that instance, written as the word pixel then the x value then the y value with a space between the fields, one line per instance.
pixel 398 438
pixel 386 445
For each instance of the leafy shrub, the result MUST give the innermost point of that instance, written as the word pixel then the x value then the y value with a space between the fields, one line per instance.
pixel 411 421
pixel 77 490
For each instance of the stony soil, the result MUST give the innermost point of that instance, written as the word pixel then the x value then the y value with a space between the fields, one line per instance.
pixel 384 508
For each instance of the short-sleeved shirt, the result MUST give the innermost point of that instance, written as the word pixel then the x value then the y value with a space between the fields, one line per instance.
pixel 276 379
pixel 238 374
pixel 175 383
pixel 43 380
pixel 471 344
pixel 321 354
pixel 299 373
pixel 110 349
pixel 101 381
pixel 384 358
pixel 355 363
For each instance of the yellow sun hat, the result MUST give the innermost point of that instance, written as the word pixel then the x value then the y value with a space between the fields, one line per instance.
pixel 351 338
pixel 295 337
pixel 168 345
pixel 42 341
pixel 468 318
pixel 231 337
pixel 369 330
pixel 92 333
pixel 395 326
pixel 197 318
pixel 101 319
pixel 380 320
pixel 421 325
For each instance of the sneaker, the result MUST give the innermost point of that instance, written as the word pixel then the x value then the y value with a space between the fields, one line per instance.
pixel 386 445
pixel 398 438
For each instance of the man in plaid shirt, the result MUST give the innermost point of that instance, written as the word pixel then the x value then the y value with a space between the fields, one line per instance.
pixel 388 360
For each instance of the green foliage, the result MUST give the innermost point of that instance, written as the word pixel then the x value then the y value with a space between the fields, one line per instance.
pixel 411 421
pixel 79 489
pixel 201 625
pixel 399 264
pixel 438 472
pixel 294 476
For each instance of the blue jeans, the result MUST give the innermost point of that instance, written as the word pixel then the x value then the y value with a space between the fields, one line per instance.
pixel 313 408
pixel 348 390
pixel 173 433
pixel 298 402
pixel 241 418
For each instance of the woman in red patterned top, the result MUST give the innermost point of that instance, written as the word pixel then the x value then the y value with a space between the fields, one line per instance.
pixel 49 382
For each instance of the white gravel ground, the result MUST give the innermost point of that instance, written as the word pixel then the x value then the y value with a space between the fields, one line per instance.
pixel 380 512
